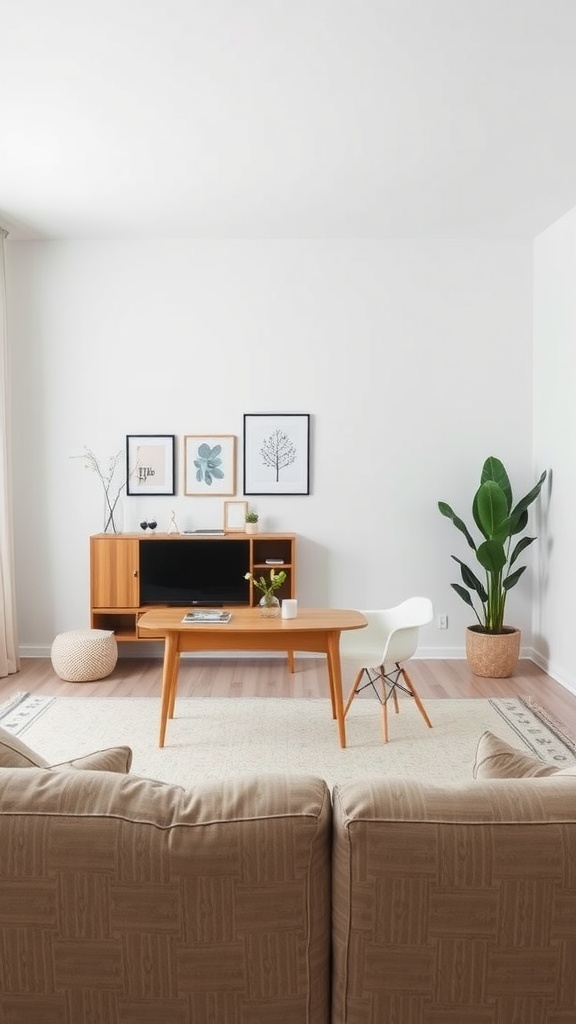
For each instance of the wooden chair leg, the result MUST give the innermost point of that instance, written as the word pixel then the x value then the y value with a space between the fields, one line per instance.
pixel 395 699
pixel 410 686
pixel 385 719
pixel 353 691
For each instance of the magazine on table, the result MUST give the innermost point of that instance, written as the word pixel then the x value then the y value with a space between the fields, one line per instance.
pixel 204 616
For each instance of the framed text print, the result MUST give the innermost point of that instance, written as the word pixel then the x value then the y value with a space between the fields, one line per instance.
pixel 276 453
pixel 209 464
pixel 150 464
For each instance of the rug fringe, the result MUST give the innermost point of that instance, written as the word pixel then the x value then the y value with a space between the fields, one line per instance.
pixel 550 721
pixel 8 707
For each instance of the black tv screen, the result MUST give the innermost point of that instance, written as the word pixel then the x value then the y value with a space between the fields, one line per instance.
pixel 188 572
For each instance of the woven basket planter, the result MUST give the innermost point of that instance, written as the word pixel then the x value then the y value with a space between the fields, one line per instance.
pixel 492 655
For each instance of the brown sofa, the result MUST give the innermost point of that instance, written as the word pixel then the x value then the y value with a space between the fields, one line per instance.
pixel 271 901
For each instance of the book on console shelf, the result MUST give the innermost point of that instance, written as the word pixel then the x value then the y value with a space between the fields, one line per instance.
pixel 203 533
pixel 207 617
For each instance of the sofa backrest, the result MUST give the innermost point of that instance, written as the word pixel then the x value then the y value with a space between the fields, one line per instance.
pixel 125 901
pixel 454 905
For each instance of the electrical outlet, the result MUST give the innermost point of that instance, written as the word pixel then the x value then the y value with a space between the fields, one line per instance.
pixel 443 621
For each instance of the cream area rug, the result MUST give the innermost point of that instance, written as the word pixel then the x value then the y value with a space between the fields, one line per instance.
pixel 226 736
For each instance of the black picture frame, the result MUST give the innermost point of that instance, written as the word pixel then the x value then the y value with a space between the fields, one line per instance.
pixel 276 453
pixel 150 464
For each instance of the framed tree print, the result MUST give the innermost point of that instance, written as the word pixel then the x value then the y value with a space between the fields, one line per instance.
pixel 150 464
pixel 276 453
pixel 209 464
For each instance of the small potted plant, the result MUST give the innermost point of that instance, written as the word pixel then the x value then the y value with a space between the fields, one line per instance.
pixel 492 648
pixel 251 521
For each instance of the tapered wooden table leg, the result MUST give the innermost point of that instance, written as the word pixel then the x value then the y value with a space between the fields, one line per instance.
pixel 335 676
pixel 169 682
pixel 174 683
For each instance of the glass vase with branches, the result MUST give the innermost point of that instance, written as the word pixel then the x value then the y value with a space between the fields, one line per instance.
pixel 112 491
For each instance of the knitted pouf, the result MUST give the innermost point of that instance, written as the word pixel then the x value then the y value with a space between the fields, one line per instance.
pixel 82 655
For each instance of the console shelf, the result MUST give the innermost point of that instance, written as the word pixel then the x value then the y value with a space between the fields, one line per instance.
pixel 116 584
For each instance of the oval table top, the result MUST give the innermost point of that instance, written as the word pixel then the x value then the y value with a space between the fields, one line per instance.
pixel 250 620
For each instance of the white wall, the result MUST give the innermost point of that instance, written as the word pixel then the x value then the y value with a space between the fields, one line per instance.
pixel 413 358
pixel 555 442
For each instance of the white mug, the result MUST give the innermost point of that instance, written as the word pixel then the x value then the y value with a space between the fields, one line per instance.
pixel 289 608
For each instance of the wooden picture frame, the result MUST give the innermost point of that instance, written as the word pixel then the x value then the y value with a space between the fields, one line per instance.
pixel 235 516
pixel 276 453
pixel 150 464
pixel 209 465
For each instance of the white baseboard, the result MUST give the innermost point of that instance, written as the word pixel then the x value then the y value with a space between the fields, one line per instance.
pixel 441 653
pixel 557 672
pixel 149 649
pixel 29 651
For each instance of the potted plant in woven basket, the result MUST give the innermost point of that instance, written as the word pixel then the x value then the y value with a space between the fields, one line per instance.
pixel 492 648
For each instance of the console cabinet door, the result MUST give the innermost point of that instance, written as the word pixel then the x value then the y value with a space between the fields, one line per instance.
pixel 114 572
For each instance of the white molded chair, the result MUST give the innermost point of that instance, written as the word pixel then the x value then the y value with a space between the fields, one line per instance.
pixel 378 652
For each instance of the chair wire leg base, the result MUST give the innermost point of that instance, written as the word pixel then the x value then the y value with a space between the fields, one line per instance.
pixel 389 683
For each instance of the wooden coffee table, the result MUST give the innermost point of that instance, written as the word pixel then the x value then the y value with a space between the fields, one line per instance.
pixel 314 629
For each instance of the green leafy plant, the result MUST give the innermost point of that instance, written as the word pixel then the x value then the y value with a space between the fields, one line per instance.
pixel 500 523
pixel 251 517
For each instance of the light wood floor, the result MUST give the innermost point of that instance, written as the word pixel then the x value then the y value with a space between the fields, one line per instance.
pixel 269 677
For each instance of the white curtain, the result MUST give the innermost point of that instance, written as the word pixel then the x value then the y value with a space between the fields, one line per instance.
pixel 9 660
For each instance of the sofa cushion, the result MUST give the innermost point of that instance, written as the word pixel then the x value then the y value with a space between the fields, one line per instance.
pixel 143 901
pixel 496 759
pixel 450 903
pixel 111 759
pixel 16 754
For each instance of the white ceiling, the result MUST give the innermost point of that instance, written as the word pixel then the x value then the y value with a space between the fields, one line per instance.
pixel 286 118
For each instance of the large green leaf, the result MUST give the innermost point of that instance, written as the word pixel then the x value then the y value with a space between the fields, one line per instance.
pixel 518 522
pixel 531 496
pixel 458 523
pixel 463 593
pixel 490 510
pixel 524 543
pixel 492 556
pixel 493 469
pixel 471 580
pixel 512 579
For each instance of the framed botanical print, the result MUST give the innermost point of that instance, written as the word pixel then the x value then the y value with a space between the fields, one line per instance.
pixel 276 453
pixel 150 464
pixel 209 464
